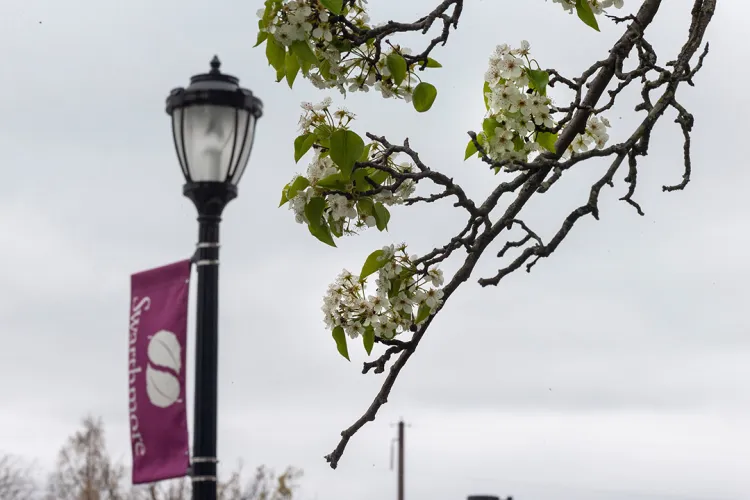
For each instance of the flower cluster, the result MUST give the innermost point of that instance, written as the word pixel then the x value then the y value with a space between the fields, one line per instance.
pixel 296 21
pixel 315 115
pixel 519 122
pixel 346 210
pixel 514 115
pixel 341 194
pixel 595 135
pixel 597 6
pixel 304 35
pixel 404 298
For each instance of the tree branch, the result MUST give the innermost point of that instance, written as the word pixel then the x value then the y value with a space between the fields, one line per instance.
pixel 358 36
pixel 539 175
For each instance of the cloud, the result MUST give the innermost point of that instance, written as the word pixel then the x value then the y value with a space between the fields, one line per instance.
pixel 614 369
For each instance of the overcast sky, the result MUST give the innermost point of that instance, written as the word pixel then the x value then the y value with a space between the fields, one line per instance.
pixel 617 369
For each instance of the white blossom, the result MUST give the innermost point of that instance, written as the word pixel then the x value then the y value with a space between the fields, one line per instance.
pixel 436 276
pixel 521 111
pixel 597 6
pixel 290 21
pixel 388 312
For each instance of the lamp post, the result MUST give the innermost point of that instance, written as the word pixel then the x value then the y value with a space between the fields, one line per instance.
pixel 213 125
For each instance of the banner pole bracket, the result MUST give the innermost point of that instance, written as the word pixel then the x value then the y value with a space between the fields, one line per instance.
pixel 199 479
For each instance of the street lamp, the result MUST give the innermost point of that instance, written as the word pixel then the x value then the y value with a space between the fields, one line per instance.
pixel 213 125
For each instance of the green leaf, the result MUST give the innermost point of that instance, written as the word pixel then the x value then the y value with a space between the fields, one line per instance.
pixel 396 64
pixel 366 153
pixel 268 14
pixel 379 176
pixel 323 233
pixel 368 339
pixel 325 69
pixel 262 35
pixel 305 67
pixel 423 313
pixel 303 52
pixel 276 54
pixel 333 181
pixel 373 264
pixel 299 184
pixel 292 189
pixel 334 6
pixel 343 45
pixel 471 150
pixel 547 140
pixel 518 143
pixel 488 126
pixel 346 149
pixel 291 65
pixel 340 337
pixel 432 63
pixel 323 131
pixel 585 14
pixel 485 91
pixel 284 197
pixel 365 206
pixel 382 216
pixel 337 228
pixel 315 223
pixel 302 145
pixel 423 97
pixel 395 287
pixel 538 80
pixel 314 211
pixel 358 177
pixel 361 176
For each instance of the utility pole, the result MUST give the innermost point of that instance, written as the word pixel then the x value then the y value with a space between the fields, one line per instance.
pixel 401 459
pixel 400 440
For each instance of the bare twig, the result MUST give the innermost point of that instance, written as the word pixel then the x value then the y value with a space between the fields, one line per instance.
pixel 448 11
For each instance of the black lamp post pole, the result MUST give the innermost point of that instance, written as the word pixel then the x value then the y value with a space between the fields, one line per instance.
pixel 217 113
pixel 210 200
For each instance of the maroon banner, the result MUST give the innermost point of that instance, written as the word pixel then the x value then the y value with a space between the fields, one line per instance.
pixel 156 372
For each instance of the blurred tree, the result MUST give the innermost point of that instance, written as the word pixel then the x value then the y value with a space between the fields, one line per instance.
pixel 85 471
pixel 16 482
pixel 265 485
pixel 84 468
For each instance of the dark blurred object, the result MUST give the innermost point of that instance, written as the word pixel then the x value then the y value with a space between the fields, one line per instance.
pixel 486 497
